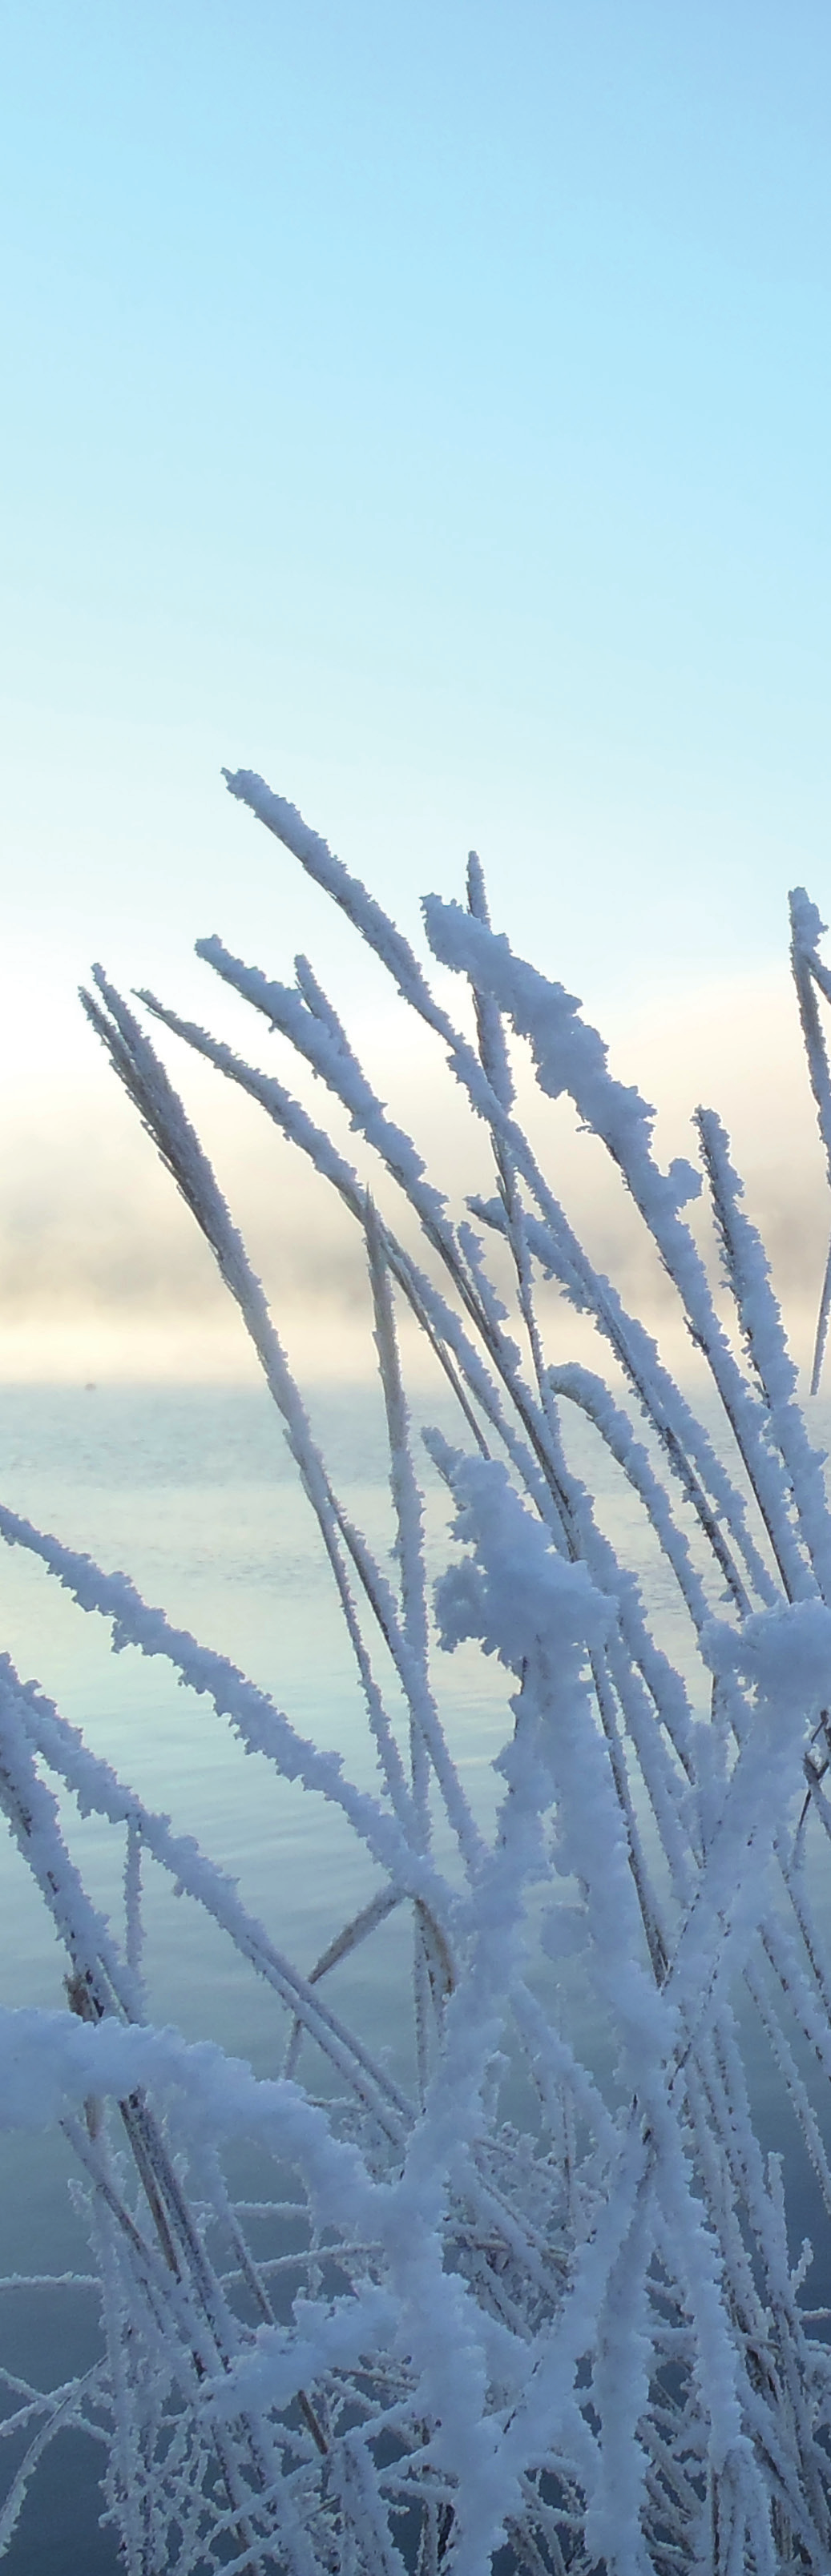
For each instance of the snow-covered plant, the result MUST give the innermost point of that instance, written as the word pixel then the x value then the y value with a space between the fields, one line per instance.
pixel 586 2343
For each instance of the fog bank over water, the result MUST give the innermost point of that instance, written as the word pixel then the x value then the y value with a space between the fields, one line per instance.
pixel 102 1273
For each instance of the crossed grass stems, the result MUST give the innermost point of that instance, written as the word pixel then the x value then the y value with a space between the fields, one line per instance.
pixel 648 2389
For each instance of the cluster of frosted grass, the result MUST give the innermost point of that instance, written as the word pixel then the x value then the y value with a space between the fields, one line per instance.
pixel 586 2346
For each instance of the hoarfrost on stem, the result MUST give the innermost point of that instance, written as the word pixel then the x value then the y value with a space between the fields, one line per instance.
pixel 583 2342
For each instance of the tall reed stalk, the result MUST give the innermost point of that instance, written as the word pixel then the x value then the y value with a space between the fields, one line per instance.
pixel 589 2342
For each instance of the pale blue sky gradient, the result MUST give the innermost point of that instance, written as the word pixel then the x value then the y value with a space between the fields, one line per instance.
pixel 427 405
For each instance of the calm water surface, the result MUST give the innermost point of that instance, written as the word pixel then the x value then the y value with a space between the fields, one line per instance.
pixel 194 1494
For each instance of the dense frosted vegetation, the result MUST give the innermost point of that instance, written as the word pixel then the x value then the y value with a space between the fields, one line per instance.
pixel 444 2337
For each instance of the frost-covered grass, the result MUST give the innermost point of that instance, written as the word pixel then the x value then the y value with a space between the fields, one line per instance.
pixel 590 2342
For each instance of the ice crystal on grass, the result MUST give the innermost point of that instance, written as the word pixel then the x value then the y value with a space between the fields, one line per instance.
pixel 454 2342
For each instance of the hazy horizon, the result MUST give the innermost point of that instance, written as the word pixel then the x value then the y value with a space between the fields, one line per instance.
pixel 103 1274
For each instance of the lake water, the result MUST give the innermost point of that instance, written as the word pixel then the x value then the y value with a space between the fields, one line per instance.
pixel 194 1494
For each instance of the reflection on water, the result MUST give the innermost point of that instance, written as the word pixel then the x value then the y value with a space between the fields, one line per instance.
pixel 194 1494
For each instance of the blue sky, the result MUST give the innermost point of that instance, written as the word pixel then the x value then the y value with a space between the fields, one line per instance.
pixel 427 405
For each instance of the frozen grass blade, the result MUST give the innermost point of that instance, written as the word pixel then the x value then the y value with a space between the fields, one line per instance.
pixel 549 2338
